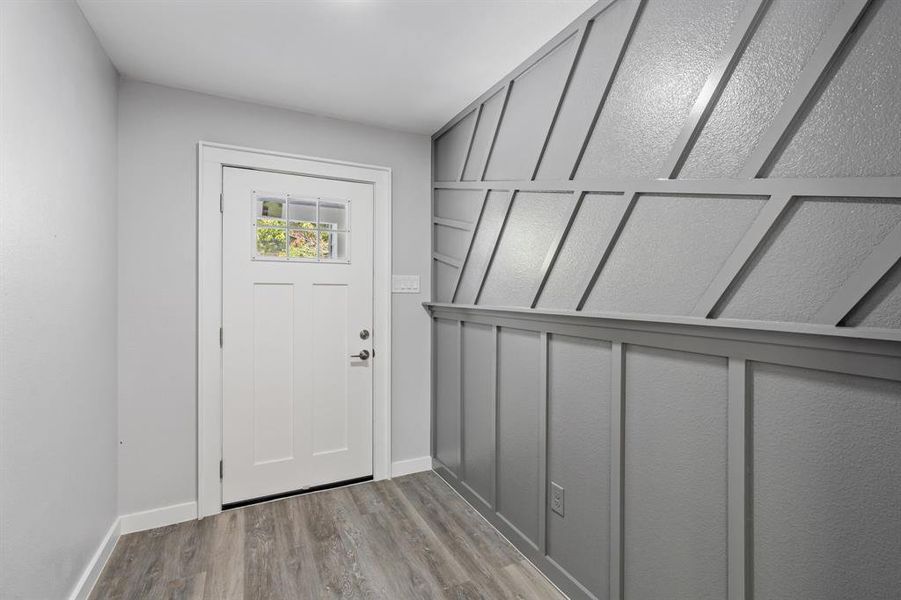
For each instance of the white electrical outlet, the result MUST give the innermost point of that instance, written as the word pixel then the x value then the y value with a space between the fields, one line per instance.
pixel 405 284
pixel 557 499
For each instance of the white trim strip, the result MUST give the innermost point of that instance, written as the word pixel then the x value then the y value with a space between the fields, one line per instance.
pixel 399 468
pixel 85 584
pixel 158 517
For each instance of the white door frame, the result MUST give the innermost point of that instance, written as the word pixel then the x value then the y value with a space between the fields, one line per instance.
pixel 211 159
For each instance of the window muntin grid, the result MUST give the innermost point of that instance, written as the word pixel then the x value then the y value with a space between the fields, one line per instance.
pixel 300 228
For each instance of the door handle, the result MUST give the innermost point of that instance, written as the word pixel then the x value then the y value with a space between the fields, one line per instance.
pixel 363 355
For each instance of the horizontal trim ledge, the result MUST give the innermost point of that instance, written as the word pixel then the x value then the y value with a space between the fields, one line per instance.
pixel 448 260
pixel 453 223
pixel 882 342
pixel 855 187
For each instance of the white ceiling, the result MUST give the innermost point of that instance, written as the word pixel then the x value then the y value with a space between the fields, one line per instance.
pixel 404 64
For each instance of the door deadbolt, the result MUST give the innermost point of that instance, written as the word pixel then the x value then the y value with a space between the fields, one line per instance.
pixel 363 355
pixel 364 334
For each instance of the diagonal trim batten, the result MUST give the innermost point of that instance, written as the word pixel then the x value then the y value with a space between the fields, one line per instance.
pixel 716 82
pixel 818 68
pixel 472 234
pixel 578 47
pixel 637 7
pixel 556 246
pixel 625 211
pixel 874 268
pixel 769 215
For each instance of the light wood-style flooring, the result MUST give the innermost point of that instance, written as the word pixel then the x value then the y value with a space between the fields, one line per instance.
pixel 410 537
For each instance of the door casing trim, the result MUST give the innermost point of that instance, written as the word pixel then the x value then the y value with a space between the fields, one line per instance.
pixel 211 159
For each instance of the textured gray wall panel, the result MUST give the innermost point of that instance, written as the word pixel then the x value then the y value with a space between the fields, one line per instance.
pixel 579 458
pixel 451 148
pixel 766 73
pixel 882 306
pixel 669 251
pixel 447 393
pixel 581 251
pixel 827 485
pixel 663 70
pixel 484 136
pixel 451 242
pixel 482 245
pixel 854 127
pixel 517 444
pixel 478 437
pixel 578 109
pixel 817 247
pixel 702 98
pixel 530 108
pixel 675 475
pixel 460 205
pixel 534 223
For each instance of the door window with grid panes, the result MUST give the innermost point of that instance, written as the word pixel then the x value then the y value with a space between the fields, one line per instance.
pixel 300 229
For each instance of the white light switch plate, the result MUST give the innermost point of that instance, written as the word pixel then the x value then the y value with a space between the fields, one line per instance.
pixel 405 284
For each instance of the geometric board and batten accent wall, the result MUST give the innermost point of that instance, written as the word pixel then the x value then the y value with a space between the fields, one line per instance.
pixel 667 278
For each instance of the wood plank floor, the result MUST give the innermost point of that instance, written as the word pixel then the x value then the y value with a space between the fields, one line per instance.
pixel 411 537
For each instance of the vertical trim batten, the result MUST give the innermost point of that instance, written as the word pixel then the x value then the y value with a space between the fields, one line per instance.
pixel 433 370
pixel 461 465
pixel 542 440
pixel 737 480
pixel 492 408
pixel 617 470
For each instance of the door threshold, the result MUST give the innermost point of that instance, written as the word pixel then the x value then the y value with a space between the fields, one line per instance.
pixel 292 493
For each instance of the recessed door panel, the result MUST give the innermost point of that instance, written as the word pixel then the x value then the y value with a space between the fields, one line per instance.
pixel 328 389
pixel 273 380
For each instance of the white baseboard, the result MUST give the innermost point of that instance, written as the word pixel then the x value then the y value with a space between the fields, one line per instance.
pixel 158 517
pixel 148 519
pixel 412 465
pixel 92 571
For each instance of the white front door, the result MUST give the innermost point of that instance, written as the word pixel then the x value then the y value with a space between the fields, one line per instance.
pixel 296 307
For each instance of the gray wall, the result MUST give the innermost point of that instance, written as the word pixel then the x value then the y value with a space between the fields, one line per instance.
pixel 697 461
pixel 715 189
pixel 686 123
pixel 58 302
pixel 159 129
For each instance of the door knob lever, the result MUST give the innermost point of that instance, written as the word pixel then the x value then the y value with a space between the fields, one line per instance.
pixel 363 355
